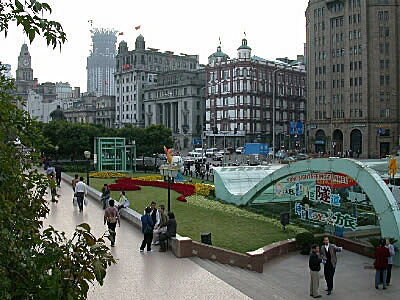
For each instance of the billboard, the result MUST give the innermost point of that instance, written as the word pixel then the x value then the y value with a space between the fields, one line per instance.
pixel 256 148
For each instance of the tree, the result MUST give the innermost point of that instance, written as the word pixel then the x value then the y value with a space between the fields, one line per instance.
pixel 36 262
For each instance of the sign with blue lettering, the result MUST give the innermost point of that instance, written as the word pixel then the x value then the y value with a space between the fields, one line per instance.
pixel 296 127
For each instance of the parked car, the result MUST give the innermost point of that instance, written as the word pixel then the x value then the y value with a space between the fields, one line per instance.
pixel 223 152
pixel 302 156
pixel 229 150
pixel 240 150
pixel 218 156
pixel 287 160
pixel 211 151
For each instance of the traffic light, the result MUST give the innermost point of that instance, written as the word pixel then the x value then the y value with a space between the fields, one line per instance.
pixel 235 130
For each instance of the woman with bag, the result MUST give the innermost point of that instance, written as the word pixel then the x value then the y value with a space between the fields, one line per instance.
pixel 147 229
pixel 111 217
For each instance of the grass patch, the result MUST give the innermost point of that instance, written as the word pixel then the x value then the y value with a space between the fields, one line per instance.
pixel 231 227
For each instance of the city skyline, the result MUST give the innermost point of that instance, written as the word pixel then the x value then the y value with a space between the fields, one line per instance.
pixel 162 29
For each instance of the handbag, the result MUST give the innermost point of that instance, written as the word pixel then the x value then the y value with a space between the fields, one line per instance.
pixel 75 201
pixel 85 201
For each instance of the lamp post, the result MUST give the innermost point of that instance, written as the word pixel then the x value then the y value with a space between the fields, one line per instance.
pixel 56 148
pixel 170 171
pixel 87 156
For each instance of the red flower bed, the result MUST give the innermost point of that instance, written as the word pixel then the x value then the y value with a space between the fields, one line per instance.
pixel 182 188
pixel 124 184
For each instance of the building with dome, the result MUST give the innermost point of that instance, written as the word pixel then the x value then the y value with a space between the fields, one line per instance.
pixel 140 67
pixel 239 101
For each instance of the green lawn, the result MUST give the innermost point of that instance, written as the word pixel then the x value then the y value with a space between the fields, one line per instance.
pixel 237 233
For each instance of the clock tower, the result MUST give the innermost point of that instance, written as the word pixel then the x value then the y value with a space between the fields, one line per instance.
pixel 24 78
pixel 24 71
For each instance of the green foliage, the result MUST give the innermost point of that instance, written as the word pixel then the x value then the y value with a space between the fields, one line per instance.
pixel 304 241
pixel 36 262
pixel 75 138
pixel 31 15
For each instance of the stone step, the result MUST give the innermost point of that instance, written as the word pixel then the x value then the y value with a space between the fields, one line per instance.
pixel 248 282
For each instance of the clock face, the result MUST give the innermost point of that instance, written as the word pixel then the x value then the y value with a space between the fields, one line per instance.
pixel 25 62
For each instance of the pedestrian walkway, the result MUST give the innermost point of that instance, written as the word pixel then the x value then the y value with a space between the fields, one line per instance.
pixel 288 277
pixel 163 276
pixel 139 275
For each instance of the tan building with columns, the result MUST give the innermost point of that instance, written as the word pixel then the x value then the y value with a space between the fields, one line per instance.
pixel 353 76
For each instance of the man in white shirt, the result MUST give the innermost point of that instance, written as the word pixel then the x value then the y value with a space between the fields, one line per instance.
pixel 81 191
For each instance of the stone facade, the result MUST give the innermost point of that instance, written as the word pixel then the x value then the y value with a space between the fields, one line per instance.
pixel 82 111
pixel 239 103
pixel 353 79
pixel 177 102
pixel 137 68
pixel 24 75
pixel 105 111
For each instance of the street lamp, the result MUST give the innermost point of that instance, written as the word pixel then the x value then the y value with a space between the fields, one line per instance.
pixel 87 156
pixel 170 171
pixel 57 148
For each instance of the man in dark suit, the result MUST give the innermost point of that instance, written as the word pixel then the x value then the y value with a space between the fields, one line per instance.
pixel 328 252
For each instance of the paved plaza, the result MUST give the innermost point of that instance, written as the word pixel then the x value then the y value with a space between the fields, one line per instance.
pixel 162 276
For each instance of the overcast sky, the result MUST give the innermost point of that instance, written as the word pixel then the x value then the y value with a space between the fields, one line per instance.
pixel 274 29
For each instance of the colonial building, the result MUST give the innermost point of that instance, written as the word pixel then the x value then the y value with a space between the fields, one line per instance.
pixel 38 108
pixel 135 69
pixel 176 101
pixel 240 92
pixel 101 62
pixel 105 111
pixel 90 109
pixel 353 79
pixel 82 110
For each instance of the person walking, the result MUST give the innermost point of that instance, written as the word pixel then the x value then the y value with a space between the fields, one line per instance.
pixel 381 264
pixel 58 175
pixel 147 230
pixel 171 231
pixel 111 217
pixel 390 261
pixel 74 182
pixel 81 191
pixel 314 264
pixel 328 252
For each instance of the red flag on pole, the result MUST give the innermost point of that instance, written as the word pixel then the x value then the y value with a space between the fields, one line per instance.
pixel 121 33
pixel 138 27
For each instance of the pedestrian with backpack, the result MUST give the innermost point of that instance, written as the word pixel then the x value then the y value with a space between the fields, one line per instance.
pixel 147 229
pixel 111 217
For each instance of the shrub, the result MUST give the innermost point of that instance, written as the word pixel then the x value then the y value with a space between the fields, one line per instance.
pixel 304 240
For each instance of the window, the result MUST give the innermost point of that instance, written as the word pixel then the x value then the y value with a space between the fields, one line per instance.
pixel 387 79
pixel 382 80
